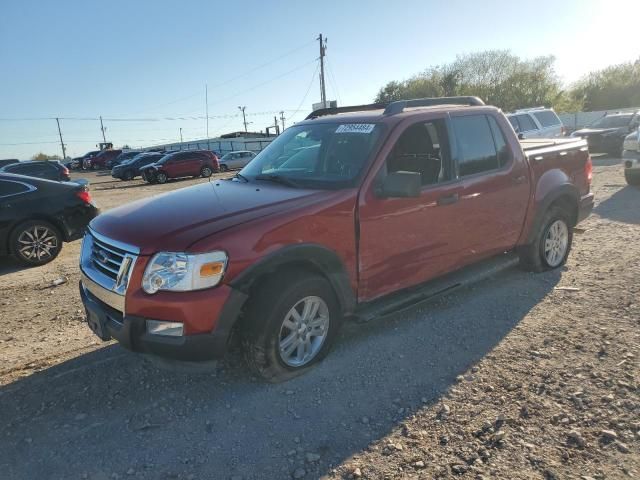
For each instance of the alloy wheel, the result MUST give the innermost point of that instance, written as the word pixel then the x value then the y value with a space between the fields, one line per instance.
pixel 556 242
pixel 303 331
pixel 37 243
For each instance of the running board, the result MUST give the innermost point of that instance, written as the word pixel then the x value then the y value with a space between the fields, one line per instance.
pixel 435 288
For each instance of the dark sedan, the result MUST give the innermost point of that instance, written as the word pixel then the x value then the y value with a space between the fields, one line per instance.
pixel 606 135
pixel 47 169
pixel 129 169
pixel 37 216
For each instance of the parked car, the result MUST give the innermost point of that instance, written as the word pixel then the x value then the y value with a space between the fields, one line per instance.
pixel 537 122
pixel 120 158
pixel 341 215
pixel 8 161
pixel 99 161
pixel 607 134
pixel 129 169
pixel 37 216
pixel 191 163
pixel 631 157
pixel 236 160
pixel 78 162
pixel 49 169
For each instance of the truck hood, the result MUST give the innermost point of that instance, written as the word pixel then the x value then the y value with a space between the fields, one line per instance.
pixel 173 221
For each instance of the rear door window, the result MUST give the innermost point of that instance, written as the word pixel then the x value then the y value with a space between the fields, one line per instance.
pixel 547 118
pixel 8 188
pixel 504 152
pixel 476 148
pixel 526 123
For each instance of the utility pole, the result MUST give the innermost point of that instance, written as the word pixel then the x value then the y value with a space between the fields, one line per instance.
pixel 102 129
pixel 275 124
pixel 180 138
pixel 323 48
pixel 206 109
pixel 64 152
pixel 244 118
pixel 282 119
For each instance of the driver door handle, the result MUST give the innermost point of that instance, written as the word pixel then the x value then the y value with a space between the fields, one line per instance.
pixel 448 199
pixel 519 179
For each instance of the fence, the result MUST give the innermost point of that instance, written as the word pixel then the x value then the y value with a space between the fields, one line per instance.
pixel 220 146
pixel 576 120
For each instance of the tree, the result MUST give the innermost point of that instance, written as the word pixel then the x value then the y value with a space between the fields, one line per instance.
pixel 496 76
pixel 44 156
pixel 617 86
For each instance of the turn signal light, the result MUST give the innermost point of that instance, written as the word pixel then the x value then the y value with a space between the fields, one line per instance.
pixel 211 269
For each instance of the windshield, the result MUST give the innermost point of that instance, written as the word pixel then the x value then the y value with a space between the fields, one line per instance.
pixel 322 155
pixel 166 158
pixel 612 121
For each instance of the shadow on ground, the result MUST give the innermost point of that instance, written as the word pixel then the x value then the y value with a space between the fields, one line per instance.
pixel 622 206
pixel 111 412
pixel 9 265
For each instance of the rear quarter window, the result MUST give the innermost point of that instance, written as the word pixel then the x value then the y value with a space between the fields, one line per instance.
pixel 547 118
pixel 8 188
pixel 526 123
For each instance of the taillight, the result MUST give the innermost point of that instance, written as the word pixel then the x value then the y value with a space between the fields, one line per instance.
pixel 84 195
pixel 65 171
pixel 588 169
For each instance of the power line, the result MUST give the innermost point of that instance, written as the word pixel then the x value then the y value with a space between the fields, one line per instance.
pixel 313 77
pixel 333 82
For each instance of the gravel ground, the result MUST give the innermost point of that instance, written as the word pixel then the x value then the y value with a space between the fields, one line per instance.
pixel 522 376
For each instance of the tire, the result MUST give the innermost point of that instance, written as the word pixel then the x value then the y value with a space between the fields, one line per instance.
pixel 35 242
pixel 552 243
pixel 206 172
pixel 265 328
pixel 128 175
pixel 161 178
pixel 95 166
pixel 633 180
pixel 224 168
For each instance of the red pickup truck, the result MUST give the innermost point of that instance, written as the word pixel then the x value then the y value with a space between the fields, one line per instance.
pixel 353 208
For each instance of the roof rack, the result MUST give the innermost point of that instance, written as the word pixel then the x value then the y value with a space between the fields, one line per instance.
pixel 354 108
pixel 532 109
pixel 398 107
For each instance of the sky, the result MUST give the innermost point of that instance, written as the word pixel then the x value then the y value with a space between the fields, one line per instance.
pixel 143 65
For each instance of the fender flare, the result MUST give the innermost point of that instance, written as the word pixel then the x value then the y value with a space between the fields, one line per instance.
pixel 321 258
pixel 566 190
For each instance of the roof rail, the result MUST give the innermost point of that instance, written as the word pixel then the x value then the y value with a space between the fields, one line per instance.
pixel 532 109
pixel 354 108
pixel 399 106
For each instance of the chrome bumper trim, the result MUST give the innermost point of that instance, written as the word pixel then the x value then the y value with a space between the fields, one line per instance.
pixel 107 296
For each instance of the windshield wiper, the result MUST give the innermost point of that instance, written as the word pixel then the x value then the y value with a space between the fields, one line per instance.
pixel 241 177
pixel 277 179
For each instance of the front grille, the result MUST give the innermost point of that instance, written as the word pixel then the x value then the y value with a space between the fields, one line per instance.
pixel 107 258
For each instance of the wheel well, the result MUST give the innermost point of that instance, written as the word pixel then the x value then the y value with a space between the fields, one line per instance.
pixel 569 205
pixel 285 269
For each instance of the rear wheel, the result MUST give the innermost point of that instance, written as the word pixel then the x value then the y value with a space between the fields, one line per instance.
pixel 290 326
pixel 35 242
pixel 161 177
pixel 552 243
pixel 224 168
pixel 206 172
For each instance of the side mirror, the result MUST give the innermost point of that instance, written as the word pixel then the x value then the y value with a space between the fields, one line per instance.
pixel 400 184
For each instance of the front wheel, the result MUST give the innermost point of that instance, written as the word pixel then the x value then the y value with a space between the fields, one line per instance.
pixel 633 180
pixel 36 242
pixel 224 168
pixel 95 166
pixel 206 172
pixel 161 177
pixel 290 327
pixel 552 243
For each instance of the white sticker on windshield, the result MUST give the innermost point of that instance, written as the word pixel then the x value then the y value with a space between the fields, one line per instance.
pixel 355 128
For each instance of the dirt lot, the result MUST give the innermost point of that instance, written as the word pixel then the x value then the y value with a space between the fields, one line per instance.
pixel 519 377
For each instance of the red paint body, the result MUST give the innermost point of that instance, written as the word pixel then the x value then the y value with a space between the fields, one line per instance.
pixel 384 244
pixel 183 164
pixel 100 160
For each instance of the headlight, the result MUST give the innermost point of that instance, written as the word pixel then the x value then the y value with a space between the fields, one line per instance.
pixel 181 272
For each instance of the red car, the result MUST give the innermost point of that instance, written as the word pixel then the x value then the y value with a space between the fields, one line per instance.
pixel 192 163
pixel 355 211
pixel 99 162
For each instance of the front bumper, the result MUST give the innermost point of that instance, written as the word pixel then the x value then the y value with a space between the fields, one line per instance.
pixel 130 330
pixel 586 206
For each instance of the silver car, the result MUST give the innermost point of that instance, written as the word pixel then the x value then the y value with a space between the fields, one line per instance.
pixel 235 160
pixel 536 123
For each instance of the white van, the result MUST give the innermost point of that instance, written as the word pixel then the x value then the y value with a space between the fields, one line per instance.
pixel 537 122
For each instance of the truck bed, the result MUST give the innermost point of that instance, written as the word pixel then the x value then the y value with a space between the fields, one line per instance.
pixel 537 145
